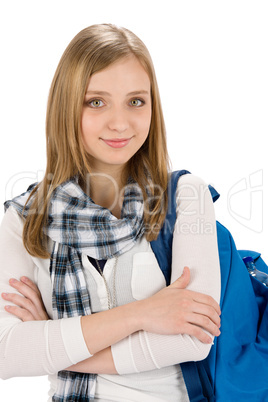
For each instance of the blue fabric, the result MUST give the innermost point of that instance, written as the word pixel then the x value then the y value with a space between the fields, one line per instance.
pixel 237 366
pixel 238 362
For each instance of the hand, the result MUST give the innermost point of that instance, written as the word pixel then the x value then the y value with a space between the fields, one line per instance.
pixel 29 305
pixel 176 310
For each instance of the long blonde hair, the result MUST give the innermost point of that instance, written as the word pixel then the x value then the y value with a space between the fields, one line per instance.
pixel 90 51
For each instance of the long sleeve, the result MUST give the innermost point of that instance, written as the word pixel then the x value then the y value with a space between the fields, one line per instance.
pixel 36 347
pixel 195 246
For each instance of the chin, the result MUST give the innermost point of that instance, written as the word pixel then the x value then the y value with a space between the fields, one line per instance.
pixel 118 160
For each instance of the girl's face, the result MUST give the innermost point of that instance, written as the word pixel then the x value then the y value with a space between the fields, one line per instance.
pixel 116 114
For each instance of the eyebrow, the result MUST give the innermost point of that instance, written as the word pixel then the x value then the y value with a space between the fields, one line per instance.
pixel 133 93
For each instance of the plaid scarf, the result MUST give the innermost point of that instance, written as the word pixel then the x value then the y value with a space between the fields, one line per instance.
pixel 77 225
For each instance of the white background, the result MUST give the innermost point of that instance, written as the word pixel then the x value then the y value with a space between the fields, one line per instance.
pixel 211 59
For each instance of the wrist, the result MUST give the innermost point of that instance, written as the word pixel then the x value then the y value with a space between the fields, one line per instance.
pixel 134 316
pixel 101 330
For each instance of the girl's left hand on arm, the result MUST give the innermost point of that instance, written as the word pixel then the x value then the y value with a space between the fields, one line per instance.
pixel 29 305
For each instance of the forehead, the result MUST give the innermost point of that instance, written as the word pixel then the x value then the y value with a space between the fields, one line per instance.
pixel 125 74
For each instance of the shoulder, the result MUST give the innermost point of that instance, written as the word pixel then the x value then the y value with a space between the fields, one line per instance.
pixel 192 191
pixel 192 184
pixel 12 223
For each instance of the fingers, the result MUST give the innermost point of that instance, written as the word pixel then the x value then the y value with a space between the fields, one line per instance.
pixel 207 300
pixel 183 280
pixel 201 326
pixel 26 287
pixel 197 332
pixel 208 306
pixel 22 314
pixel 202 316
pixel 206 323
pixel 208 312
pixel 23 309
pixel 29 304
pixel 30 283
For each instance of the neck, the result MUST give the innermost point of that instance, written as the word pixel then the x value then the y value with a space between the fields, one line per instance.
pixel 105 189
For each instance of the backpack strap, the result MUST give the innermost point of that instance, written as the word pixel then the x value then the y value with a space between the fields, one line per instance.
pixel 197 382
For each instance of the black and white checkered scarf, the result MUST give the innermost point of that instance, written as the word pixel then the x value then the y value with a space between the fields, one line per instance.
pixel 77 225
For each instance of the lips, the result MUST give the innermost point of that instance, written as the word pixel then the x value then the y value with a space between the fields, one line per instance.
pixel 117 142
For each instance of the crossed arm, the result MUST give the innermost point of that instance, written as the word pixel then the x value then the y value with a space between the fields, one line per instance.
pixel 181 308
pixel 173 310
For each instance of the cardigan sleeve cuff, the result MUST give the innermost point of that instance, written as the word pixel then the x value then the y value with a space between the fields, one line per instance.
pixel 73 339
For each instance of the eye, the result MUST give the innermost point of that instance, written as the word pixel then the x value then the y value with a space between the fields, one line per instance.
pixel 95 103
pixel 137 102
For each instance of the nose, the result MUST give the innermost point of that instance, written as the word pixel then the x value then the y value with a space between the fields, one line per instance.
pixel 118 121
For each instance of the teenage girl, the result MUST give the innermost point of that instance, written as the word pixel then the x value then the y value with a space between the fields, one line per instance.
pixel 83 297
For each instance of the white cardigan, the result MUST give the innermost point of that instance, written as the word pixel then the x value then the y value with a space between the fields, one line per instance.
pixel 45 347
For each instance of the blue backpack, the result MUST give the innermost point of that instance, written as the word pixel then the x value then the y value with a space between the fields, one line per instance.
pixel 236 368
